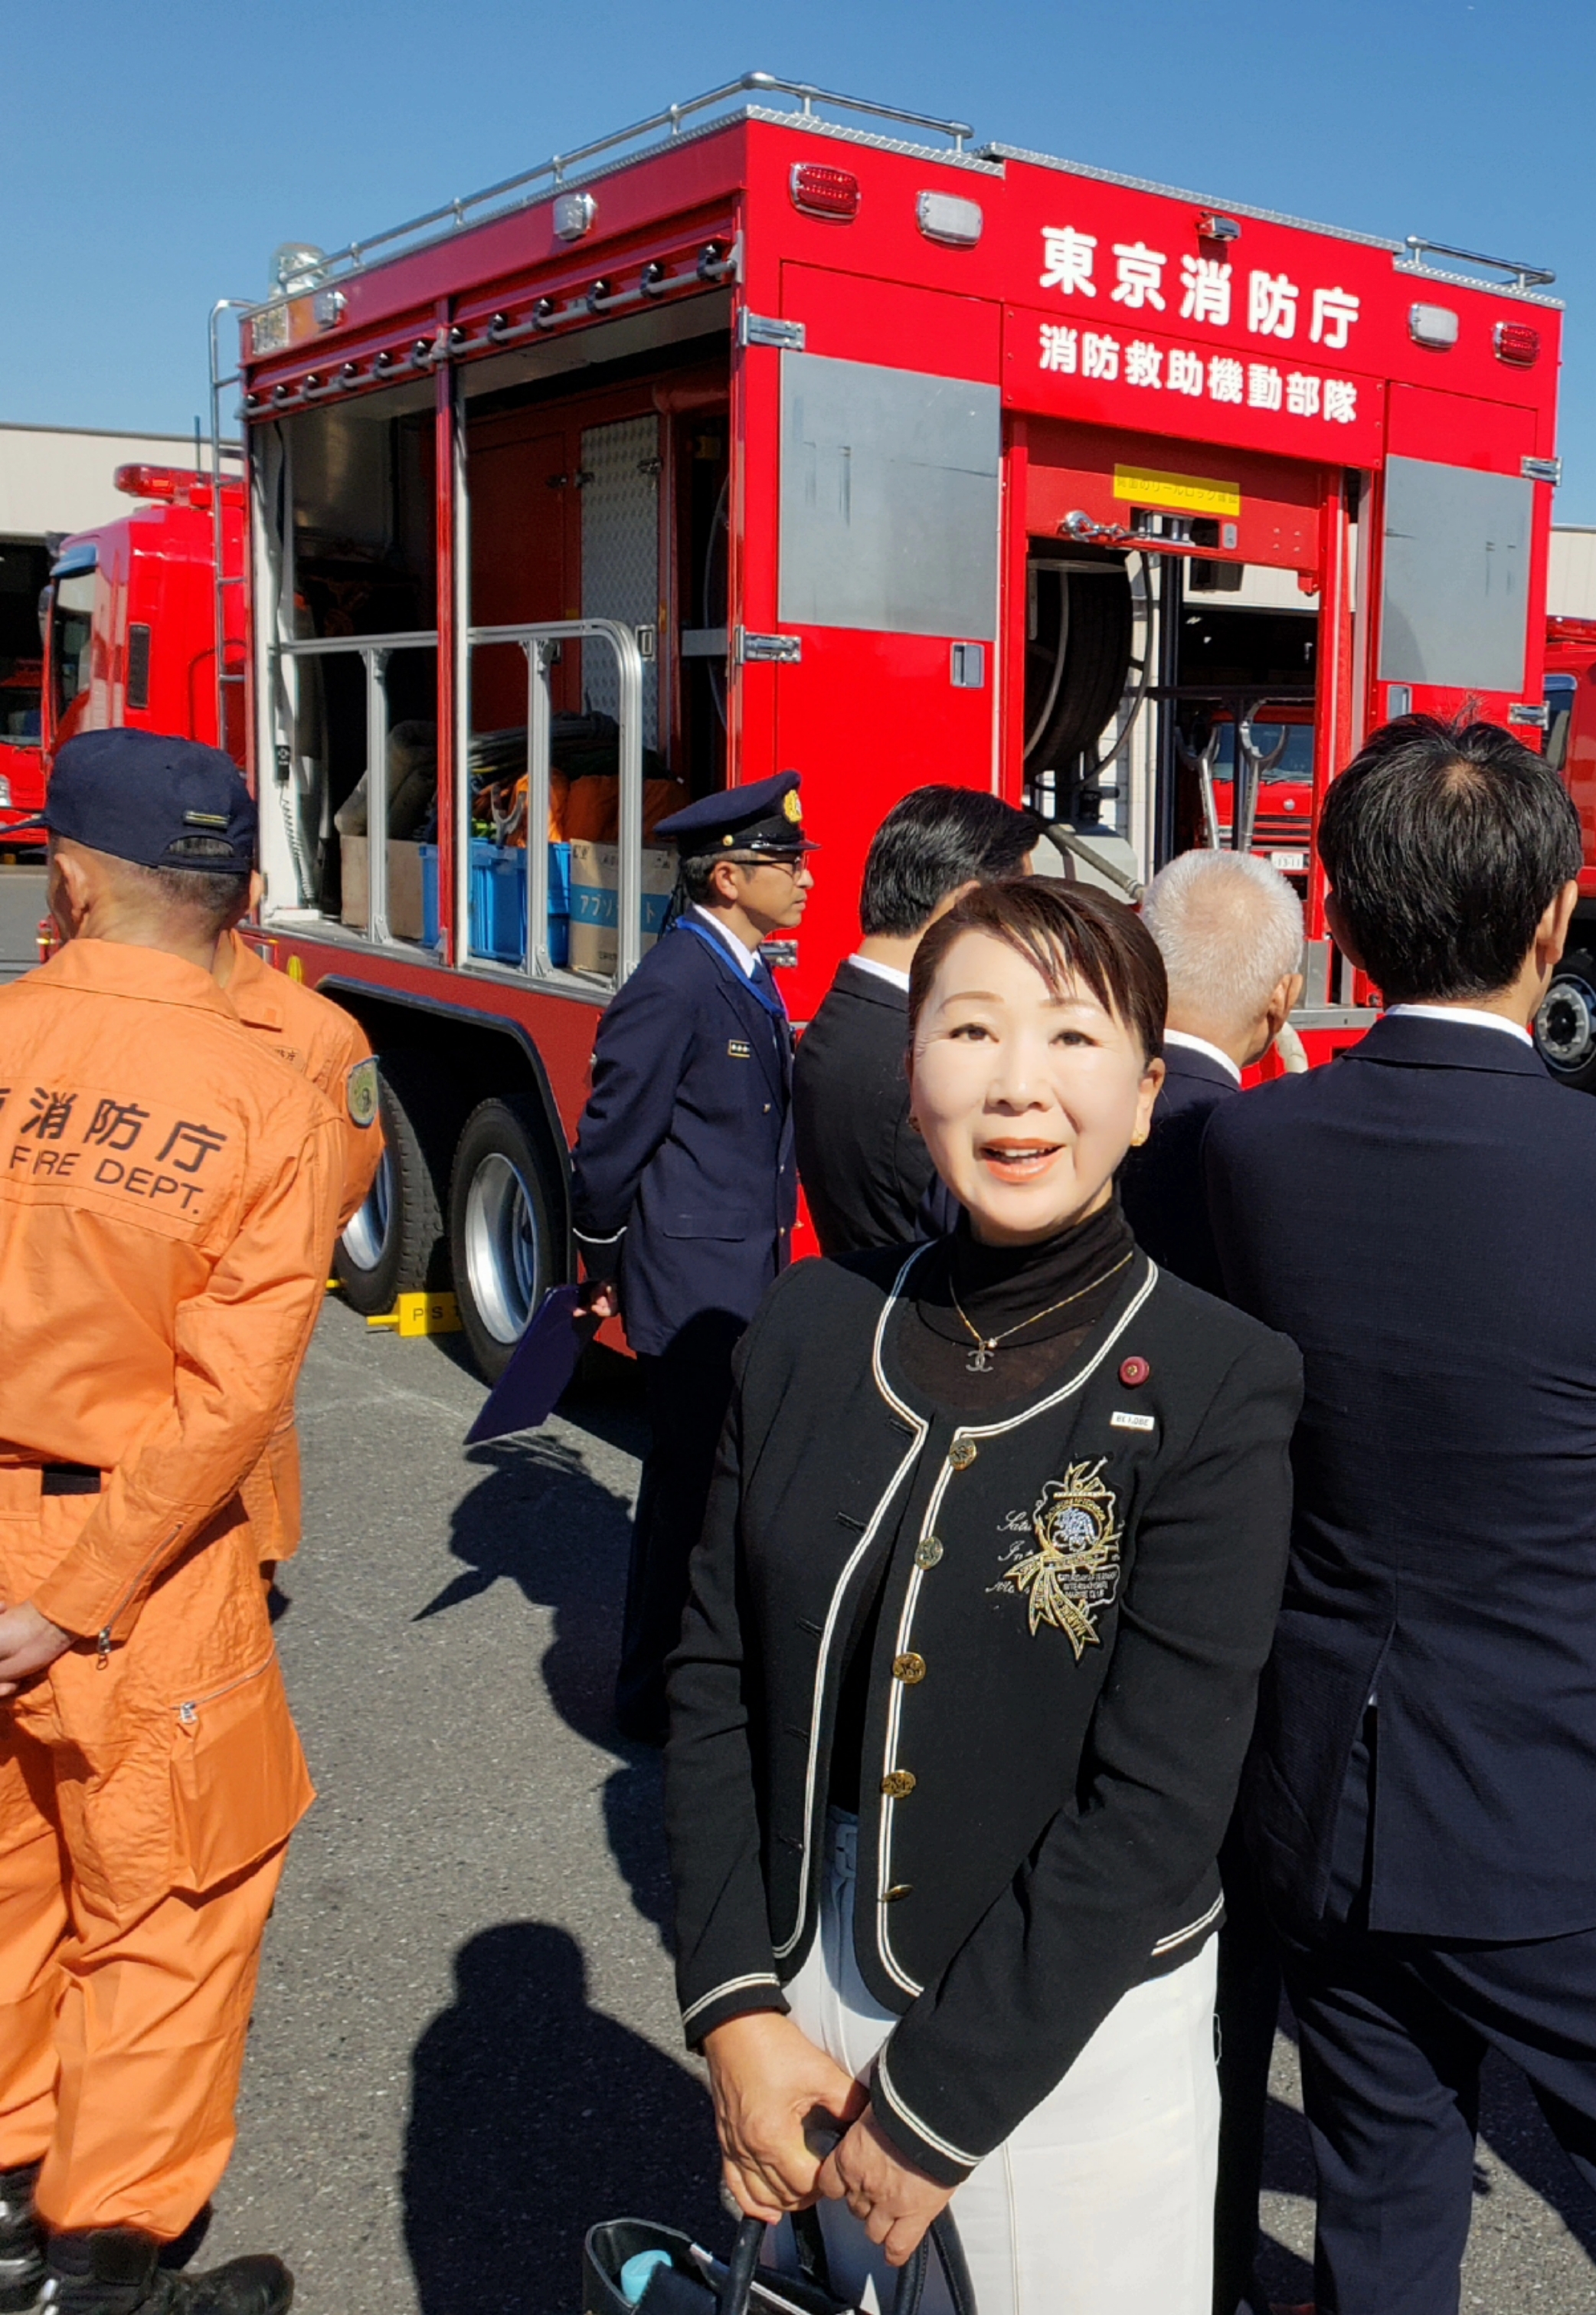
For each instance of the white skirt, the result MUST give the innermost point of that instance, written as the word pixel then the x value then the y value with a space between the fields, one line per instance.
pixel 1102 2202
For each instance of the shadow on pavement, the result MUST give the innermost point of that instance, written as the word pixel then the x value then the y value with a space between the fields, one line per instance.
pixel 1514 2126
pixel 531 2117
pixel 538 1520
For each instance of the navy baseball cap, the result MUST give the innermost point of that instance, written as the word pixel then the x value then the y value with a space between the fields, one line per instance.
pixel 161 803
pixel 765 817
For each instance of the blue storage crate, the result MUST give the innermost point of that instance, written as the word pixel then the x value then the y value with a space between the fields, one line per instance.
pixel 499 900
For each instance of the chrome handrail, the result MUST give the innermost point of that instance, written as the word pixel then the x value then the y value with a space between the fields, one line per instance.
pixel 375 651
pixel 357 254
pixel 535 638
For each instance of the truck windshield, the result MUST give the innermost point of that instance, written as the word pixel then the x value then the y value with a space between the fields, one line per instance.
pixel 1559 705
pixel 72 620
pixel 1296 765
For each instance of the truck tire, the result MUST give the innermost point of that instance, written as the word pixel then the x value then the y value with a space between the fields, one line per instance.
pixel 502 1242
pixel 1565 1024
pixel 397 1243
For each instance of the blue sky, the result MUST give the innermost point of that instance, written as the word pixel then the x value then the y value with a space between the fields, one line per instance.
pixel 151 159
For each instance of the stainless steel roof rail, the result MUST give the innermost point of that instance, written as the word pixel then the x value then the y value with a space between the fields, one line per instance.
pixel 1524 277
pixel 553 172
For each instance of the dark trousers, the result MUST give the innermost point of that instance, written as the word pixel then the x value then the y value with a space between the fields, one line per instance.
pixel 1247 2007
pixel 1394 2031
pixel 687 1387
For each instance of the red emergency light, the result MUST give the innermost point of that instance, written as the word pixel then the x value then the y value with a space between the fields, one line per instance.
pixel 1516 343
pixel 169 484
pixel 819 190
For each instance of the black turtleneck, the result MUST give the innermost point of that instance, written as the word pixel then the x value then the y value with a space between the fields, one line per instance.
pixel 1051 1295
pixel 1037 1301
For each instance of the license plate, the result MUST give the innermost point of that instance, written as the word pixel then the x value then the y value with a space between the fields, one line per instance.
pixel 1291 864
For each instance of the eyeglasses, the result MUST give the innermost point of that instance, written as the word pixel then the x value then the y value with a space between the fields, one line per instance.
pixel 791 863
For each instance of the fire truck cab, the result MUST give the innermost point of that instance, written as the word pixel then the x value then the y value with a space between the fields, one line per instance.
pixel 753 439
pixel 129 614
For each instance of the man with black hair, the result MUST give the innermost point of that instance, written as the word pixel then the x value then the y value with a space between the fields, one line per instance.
pixel 1421 1799
pixel 865 1171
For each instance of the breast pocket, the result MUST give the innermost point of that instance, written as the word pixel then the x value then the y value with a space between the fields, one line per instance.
pixel 724 1223
pixel 239 1782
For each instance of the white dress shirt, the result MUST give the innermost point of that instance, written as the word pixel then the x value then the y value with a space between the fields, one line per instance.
pixel 1201 1045
pixel 886 973
pixel 1467 1014
pixel 745 956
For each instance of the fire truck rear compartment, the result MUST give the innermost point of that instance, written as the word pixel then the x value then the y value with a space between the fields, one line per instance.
pixel 604 504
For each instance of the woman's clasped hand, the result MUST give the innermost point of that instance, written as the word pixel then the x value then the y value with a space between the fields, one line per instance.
pixel 777 2098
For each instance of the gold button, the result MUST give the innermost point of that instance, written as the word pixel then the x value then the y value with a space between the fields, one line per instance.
pixel 961 1454
pixel 898 1784
pixel 928 1552
pixel 898 1889
pixel 909 1669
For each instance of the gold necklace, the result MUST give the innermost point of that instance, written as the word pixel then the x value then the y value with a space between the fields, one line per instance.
pixel 980 1360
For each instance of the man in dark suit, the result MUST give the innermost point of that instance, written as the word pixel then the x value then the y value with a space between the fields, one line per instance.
pixel 1422 1795
pixel 1229 929
pixel 683 1190
pixel 863 1168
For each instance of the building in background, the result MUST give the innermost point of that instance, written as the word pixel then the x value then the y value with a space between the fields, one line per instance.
pixel 1571 576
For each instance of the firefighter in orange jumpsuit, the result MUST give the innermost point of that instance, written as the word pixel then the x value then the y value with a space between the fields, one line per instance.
pixel 168 1197
pixel 328 1045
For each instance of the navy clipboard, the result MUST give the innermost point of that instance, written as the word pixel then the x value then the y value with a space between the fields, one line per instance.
pixel 541 1365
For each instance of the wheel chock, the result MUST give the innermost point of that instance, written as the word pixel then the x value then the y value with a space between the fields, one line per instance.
pixel 414 1315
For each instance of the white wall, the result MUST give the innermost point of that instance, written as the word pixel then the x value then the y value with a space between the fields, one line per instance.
pixel 1571 582
pixel 58 478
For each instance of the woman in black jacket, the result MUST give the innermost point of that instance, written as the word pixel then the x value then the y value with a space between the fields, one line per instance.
pixel 990 1568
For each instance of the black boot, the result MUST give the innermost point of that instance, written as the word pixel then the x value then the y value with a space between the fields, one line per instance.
pixel 21 2241
pixel 116 2271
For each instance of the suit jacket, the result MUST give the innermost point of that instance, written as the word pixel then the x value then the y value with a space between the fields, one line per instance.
pixel 864 1170
pixel 1417 1217
pixel 683 1184
pixel 1047 1772
pixel 1161 1183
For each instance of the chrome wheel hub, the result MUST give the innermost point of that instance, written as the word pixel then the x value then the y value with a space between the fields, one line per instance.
pixel 503 1256
pixel 1565 1026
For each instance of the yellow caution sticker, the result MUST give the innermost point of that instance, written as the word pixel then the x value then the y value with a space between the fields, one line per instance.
pixel 1184 493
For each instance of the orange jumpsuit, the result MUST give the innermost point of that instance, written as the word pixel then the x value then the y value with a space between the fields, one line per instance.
pixel 168 1197
pixel 327 1045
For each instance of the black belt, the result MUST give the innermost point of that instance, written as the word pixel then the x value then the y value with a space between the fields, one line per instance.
pixel 71 1479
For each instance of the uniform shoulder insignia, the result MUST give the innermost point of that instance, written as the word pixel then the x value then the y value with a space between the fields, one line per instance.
pixel 359 1091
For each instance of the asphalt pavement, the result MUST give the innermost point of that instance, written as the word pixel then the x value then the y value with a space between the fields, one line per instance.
pixel 466 2048
pixel 21 904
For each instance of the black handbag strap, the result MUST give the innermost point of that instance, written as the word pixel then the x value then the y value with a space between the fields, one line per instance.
pixel 943 2235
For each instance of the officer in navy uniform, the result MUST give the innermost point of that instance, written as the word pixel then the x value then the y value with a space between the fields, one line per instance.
pixel 684 1188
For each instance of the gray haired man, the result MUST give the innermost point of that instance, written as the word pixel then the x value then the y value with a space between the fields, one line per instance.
pixel 1229 929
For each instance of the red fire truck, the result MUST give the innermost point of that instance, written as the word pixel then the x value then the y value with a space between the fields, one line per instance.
pixel 757 437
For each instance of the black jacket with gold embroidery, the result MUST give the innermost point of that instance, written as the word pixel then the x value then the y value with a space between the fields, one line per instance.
pixel 1080 1597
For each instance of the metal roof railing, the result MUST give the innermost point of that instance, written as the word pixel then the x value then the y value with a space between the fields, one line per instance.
pixel 551 174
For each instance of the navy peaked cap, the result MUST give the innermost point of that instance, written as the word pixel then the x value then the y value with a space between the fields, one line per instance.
pixel 764 816
pixel 161 803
